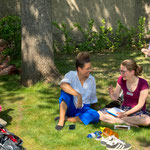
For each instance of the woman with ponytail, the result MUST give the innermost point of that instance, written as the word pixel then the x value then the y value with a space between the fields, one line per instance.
pixel 135 91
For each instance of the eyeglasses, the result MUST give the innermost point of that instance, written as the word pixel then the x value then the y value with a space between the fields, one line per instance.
pixel 122 71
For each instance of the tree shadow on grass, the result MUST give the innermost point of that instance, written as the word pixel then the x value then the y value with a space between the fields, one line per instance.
pixel 50 95
pixel 5 115
pixel 9 84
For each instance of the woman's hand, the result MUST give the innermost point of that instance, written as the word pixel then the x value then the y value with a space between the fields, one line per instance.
pixel 121 114
pixel 79 102
pixel 111 92
pixel 114 94
pixel 68 89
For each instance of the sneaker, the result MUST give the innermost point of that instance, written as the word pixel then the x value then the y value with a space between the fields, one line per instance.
pixel 117 145
pixel 104 141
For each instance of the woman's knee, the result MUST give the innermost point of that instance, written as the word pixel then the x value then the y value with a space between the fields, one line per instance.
pixel 100 115
pixel 107 117
pixel 143 120
pixel 146 122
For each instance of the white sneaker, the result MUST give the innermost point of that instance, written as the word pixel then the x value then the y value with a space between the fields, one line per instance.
pixel 104 141
pixel 117 144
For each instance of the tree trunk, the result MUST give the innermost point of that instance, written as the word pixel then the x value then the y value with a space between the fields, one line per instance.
pixel 37 44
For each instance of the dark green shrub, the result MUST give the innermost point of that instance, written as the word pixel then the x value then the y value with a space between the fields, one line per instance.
pixel 105 37
pixel 10 30
pixel 68 46
pixel 103 40
pixel 123 36
pixel 141 32
pixel 88 44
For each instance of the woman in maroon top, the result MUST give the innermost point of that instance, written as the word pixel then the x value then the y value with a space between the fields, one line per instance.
pixel 135 91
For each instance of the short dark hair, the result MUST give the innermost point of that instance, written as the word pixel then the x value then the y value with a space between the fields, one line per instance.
pixel 82 58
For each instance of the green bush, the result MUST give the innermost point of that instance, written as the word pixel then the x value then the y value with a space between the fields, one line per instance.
pixel 123 36
pixel 10 30
pixel 88 33
pixel 105 38
pixel 68 47
pixel 141 32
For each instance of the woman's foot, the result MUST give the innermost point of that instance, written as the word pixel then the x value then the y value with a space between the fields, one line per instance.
pixel 146 52
pixel 60 124
pixel 59 127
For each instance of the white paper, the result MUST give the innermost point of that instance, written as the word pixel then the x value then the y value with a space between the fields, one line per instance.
pixel 113 111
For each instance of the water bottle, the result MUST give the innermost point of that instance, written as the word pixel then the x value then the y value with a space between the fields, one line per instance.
pixel 91 135
pixel 95 134
pixel 98 133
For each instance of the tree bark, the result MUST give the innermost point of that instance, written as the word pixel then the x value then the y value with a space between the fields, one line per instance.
pixel 37 43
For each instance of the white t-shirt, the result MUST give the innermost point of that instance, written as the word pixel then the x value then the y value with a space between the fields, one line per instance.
pixel 88 90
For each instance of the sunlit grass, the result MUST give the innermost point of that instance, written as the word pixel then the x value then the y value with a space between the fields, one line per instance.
pixel 30 112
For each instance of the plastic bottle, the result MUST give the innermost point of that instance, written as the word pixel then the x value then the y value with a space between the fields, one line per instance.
pixel 91 135
pixel 109 132
pixel 95 134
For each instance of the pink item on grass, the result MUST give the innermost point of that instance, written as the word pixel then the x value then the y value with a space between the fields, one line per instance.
pixel 0 108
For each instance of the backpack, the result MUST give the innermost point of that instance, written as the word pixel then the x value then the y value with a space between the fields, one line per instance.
pixel 116 103
pixel 9 141
pixel 113 104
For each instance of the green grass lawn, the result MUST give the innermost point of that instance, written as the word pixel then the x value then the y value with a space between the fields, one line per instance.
pixel 30 112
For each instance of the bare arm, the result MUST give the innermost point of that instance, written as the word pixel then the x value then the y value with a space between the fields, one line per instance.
pixel 4 63
pixel 114 94
pixel 139 106
pixel 68 89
